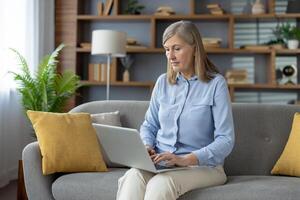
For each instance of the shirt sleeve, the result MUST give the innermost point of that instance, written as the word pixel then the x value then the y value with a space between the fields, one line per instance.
pixel 215 153
pixel 150 126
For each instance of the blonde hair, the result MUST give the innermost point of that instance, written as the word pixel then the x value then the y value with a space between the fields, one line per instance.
pixel 186 30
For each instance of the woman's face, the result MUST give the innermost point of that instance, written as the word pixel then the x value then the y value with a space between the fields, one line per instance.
pixel 180 55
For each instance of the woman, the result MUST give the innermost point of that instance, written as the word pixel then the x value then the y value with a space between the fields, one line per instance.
pixel 188 122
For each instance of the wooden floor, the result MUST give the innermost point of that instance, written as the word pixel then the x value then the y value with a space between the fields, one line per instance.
pixel 9 192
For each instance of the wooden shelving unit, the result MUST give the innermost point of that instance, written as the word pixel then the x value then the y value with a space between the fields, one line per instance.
pixel 148 84
pixel 69 17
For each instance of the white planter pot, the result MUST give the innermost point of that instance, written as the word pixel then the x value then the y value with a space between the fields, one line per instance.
pixel 293 44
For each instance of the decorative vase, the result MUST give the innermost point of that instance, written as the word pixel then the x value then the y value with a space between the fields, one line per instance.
pixel 126 76
pixel 258 8
pixel 293 44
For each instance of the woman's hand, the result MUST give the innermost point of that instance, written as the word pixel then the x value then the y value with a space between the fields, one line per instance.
pixel 172 159
pixel 150 150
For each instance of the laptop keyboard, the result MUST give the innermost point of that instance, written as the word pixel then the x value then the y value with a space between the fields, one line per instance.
pixel 159 166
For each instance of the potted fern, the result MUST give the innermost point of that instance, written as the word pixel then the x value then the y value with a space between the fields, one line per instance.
pixel 291 34
pixel 45 90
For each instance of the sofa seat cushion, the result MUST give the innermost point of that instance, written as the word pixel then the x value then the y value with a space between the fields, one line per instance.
pixel 103 185
pixel 250 188
pixel 88 186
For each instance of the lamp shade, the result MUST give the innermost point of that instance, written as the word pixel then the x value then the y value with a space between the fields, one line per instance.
pixel 109 42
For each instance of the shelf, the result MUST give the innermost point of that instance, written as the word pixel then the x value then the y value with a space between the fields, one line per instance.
pixel 264 86
pixel 195 17
pixel 288 51
pixel 265 16
pixel 149 84
pixel 188 17
pixel 115 17
pixel 128 50
pixel 208 50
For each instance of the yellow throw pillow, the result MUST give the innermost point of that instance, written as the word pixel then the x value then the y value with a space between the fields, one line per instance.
pixel 68 142
pixel 289 161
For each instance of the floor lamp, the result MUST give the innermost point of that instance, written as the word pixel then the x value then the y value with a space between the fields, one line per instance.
pixel 110 43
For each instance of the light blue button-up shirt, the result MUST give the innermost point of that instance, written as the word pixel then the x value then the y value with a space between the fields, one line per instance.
pixel 190 116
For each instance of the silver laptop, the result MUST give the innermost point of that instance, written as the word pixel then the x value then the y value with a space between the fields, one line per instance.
pixel 124 146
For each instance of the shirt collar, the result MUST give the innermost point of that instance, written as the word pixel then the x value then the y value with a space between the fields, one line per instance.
pixel 179 76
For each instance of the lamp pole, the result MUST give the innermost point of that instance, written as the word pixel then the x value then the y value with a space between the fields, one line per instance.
pixel 108 76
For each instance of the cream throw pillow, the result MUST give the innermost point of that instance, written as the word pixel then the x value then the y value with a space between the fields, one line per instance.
pixel 108 118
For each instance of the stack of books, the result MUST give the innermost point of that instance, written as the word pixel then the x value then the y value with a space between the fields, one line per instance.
pixel 98 72
pixel 236 76
pixel 215 9
pixel 211 42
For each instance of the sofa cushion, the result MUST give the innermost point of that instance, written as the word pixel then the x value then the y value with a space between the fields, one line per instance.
pixel 250 188
pixel 88 186
pixel 68 142
pixel 289 161
pixel 108 118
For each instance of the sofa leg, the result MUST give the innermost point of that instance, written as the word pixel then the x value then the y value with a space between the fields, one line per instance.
pixel 21 191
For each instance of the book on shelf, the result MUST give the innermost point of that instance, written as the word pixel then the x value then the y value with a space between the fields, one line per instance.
pixel 237 76
pixel 98 71
pixel 108 7
pixel 215 9
pixel 85 45
pixel 100 8
pixel 255 47
pixel 213 5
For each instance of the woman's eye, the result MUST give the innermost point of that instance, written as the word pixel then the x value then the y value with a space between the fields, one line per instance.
pixel 177 49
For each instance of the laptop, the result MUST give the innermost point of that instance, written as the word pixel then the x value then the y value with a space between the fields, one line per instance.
pixel 124 146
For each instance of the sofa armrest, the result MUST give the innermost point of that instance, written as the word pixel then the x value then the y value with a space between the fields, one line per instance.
pixel 38 186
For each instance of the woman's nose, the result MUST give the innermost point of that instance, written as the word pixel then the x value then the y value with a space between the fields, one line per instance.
pixel 171 55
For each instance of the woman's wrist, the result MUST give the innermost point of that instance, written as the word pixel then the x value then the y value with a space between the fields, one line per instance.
pixel 191 159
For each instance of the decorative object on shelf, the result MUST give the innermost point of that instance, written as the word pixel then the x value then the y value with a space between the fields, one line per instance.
pixel 100 8
pixel 258 8
pixel 127 63
pixel 85 45
pixel 215 9
pixel 164 11
pixel 291 34
pixel 110 43
pixel 46 90
pixel 108 7
pixel 289 72
pixel 132 43
pixel 210 42
pixel 134 8
pixel 236 76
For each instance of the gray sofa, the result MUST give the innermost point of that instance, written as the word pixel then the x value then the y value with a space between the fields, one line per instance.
pixel 261 134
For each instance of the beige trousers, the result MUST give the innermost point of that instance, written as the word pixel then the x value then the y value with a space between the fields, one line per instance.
pixel 138 184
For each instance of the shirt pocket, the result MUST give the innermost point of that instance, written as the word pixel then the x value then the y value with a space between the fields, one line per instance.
pixel 200 110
